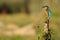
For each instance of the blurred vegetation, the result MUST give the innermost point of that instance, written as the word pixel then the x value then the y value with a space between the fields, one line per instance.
pixel 35 7
pixel 17 38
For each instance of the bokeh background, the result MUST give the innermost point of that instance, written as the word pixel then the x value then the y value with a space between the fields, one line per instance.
pixel 17 16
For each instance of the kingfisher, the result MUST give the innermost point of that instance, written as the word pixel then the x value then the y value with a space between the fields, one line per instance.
pixel 48 11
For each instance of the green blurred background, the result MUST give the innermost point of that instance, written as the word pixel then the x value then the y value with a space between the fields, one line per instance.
pixel 35 7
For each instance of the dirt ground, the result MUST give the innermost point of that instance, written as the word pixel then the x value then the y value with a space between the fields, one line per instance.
pixel 13 29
